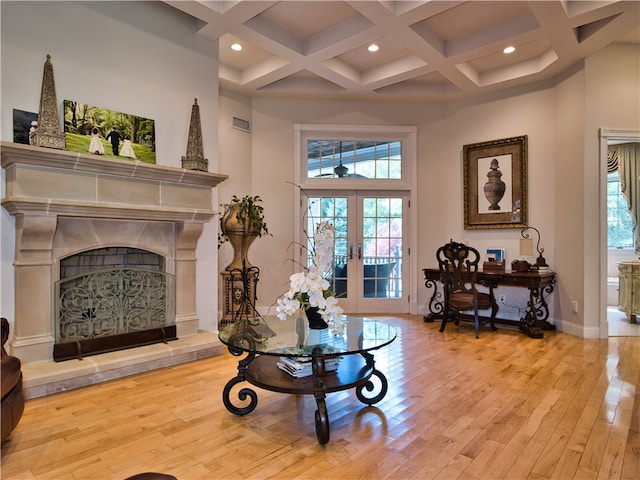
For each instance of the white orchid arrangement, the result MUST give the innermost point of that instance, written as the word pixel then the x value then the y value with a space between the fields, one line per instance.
pixel 310 288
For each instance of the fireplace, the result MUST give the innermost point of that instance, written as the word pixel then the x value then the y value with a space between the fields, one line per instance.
pixel 66 203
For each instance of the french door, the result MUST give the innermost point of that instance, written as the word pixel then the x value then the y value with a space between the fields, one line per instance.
pixel 369 252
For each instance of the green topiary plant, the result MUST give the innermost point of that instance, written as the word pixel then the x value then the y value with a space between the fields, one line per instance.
pixel 250 215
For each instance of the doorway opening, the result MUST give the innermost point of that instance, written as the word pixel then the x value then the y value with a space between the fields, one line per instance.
pixel 615 322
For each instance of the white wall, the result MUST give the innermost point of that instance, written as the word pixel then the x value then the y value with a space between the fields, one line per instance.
pixel 235 147
pixel 136 59
pixel 612 101
pixel 133 57
pixel 561 122
pixel 442 132
pixel 568 173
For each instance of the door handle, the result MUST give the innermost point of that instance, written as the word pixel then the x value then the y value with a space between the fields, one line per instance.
pixel 359 251
pixel 351 251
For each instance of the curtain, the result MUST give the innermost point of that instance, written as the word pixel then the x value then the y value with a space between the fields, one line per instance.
pixel 629 170
pixel 612 160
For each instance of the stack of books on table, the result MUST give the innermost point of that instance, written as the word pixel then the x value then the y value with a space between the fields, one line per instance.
pixel 540 269
pixel 301 366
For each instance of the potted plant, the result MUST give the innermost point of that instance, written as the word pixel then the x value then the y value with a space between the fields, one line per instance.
pixel 242 221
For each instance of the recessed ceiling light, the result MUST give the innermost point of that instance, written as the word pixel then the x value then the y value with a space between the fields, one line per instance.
pixel 509 49
pixel 373 47
pixel 236 47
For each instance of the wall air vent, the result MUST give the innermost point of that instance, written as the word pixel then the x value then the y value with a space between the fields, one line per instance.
pixel 241 124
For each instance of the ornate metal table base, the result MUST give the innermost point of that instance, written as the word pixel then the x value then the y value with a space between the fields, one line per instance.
pixel 354 371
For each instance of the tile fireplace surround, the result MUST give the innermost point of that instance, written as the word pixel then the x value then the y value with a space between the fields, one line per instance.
pixel 65 203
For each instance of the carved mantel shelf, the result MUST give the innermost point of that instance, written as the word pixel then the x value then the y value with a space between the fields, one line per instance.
pixel 43 180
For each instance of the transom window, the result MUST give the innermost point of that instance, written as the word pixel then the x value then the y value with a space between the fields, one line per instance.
pixel 354 159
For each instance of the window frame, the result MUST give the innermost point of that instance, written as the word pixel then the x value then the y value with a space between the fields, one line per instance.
pixel 404 134
pixel 609 180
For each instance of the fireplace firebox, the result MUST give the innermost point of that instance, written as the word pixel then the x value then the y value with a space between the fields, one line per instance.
pixel 112 298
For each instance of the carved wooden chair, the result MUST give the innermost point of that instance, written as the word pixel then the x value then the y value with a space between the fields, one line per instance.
pixel 458 265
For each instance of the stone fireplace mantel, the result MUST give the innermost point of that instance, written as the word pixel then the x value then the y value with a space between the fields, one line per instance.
pixel 57 182
pixel 65 202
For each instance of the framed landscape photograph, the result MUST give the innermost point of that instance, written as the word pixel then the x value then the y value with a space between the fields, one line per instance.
pixel 495 184
pixel 100 131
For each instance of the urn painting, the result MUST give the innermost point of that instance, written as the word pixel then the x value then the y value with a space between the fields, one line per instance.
pixel 494 188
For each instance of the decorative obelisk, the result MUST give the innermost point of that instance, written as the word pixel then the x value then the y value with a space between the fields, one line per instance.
pixel 48 132
pixel 194 160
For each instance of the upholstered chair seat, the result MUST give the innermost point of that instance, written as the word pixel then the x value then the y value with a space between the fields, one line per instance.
pixel 12 394
pixel 461 301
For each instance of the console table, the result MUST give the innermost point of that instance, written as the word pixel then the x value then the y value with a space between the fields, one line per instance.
pixel 265 340
pixel 629 293
pixel 536 316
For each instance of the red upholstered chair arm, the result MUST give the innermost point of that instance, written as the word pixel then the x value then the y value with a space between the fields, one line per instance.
pixel 11 379
pixel 5 333
pixel 10 373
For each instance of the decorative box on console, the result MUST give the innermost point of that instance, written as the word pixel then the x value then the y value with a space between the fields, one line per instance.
pixel 520 266
pixel 493 267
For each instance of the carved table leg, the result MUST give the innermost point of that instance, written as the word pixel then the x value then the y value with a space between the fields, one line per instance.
pixel 369 386
pixel 322 417
pixel 537 312
pixel 244 392
pixel 543 309
pixel 436 307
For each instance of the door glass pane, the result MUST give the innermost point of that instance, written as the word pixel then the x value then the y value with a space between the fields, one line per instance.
pixel 333 210
pixel 382 247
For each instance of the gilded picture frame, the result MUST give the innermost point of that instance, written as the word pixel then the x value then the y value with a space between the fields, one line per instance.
pixel 495 184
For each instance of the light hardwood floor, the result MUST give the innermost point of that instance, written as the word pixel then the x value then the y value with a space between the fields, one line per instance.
pixel 501 406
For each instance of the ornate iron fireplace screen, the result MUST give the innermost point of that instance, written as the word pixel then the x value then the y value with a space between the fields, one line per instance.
pixel 112 309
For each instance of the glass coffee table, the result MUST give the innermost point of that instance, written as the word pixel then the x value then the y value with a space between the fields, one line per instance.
pixel 331 360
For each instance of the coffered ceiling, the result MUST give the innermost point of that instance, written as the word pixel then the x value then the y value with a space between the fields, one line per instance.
pixel 429 50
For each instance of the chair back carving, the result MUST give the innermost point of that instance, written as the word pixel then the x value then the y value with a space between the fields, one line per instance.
pixel 458 265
